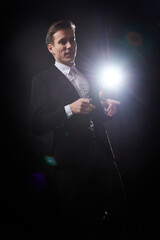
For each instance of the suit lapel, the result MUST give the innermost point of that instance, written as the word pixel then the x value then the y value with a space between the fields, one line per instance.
pixel 64 85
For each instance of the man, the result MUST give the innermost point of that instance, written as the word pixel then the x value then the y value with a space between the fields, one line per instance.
pixel 65 102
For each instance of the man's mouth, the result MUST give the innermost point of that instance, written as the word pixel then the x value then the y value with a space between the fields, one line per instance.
pixel 69 54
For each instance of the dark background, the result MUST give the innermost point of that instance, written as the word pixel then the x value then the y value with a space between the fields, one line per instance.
pixel 102 29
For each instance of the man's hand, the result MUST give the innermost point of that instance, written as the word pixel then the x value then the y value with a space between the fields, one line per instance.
pixel 82 106
pixel 109 104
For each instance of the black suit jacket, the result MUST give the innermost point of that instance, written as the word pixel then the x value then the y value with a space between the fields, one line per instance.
pixel 51 91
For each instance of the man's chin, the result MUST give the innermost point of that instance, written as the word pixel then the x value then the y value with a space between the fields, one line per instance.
pixel 69 62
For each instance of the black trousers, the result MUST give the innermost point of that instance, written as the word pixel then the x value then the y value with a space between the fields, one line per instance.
pixel 91 195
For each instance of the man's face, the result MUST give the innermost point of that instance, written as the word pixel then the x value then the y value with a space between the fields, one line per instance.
pixel 64 48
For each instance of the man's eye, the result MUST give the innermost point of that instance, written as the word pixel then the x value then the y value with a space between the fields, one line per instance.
pixel 63 42
pixel 72 40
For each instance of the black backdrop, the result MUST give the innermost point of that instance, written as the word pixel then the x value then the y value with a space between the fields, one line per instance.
pixel 102 29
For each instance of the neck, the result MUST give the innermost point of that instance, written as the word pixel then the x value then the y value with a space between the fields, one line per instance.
pixel 67 64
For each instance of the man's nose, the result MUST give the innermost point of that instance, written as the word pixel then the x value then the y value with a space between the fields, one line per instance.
pixel 68 45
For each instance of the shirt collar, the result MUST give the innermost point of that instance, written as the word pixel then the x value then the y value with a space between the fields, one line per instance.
pixel 64 68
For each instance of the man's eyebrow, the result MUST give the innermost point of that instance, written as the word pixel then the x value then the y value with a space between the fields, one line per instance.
pixel 62 39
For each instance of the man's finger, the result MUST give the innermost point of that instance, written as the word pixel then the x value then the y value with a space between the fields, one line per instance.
pixel 115 102
pixel 108 109
pixel 86 100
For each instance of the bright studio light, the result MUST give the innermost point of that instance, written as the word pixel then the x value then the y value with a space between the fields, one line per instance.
pixel 111 77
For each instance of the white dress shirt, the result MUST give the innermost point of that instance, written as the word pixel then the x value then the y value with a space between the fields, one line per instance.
pixel 77 80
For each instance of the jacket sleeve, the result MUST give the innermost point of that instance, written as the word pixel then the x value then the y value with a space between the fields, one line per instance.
pixel 47 113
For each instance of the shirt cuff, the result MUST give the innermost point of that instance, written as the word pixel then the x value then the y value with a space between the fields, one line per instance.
pixel 68 111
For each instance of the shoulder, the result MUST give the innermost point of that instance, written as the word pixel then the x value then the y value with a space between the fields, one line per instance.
pixel 45 75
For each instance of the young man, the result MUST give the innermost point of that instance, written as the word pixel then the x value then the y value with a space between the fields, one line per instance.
pixel 67 103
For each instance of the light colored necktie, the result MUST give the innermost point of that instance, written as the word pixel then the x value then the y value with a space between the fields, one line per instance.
pixel 76 83
pixel 80 83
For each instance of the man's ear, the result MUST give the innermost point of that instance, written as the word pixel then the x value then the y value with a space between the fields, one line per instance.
pixel 50 48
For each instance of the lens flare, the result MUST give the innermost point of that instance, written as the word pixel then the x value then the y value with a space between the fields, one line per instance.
pixel 36 180
pixel 134 38
pixel 50 160
pixel 111 77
